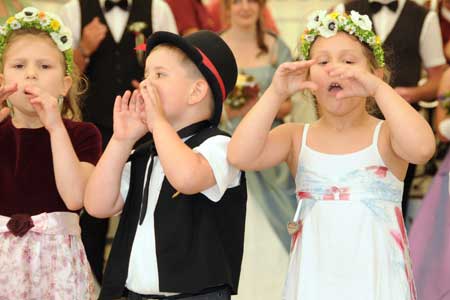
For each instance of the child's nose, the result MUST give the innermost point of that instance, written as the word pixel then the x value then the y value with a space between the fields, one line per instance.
pixel 30 72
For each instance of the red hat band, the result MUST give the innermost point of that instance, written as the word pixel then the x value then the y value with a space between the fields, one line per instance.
pixel 212 68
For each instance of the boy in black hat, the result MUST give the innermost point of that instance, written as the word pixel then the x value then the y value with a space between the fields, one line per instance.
pixel 183 206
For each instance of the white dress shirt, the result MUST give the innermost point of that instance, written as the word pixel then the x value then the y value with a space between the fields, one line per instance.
pixel 117 18
pixel 143 267
pixel 430 45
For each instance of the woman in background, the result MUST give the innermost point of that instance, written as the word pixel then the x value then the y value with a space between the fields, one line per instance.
pixel 271 200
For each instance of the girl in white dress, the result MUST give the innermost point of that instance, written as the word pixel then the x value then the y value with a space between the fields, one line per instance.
pixel 348 237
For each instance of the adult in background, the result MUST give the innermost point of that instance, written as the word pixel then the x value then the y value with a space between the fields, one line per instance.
pixel 271 192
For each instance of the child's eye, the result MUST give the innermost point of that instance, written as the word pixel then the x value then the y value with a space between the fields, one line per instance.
pixel 159 74
pixel 45 67
pixel 349 62
pixel 18 66
pixel 323 62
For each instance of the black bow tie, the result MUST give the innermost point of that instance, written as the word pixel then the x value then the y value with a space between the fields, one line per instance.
pixel 376 6
pixel 109 4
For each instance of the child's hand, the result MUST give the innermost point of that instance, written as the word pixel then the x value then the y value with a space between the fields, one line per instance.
pixel 5 92
pixel 127 122
pixel 291 77
pixel 152 103
pixel 46 106
pixel 356 82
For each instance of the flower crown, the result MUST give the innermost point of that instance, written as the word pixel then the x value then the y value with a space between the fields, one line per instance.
pixel 327 25
pixel 31 17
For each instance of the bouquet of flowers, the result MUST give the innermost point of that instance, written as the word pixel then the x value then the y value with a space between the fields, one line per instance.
pixel 246 89
pixel 445 101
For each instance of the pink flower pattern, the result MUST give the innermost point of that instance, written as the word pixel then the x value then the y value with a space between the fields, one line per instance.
pixel 380 171
pixel 336 193
pixel 44 266
pixel 402 241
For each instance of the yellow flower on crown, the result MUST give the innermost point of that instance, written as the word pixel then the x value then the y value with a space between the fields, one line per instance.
pixel 334 15
pixel 55 25
pixel 10 20
pixel 327 25
pixel 378 40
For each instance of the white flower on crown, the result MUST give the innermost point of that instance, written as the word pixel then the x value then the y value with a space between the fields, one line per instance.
pixel 15 25
pixel 310 38
pixel 2 30
pixel 63 39
pixel 329 27
pixel 28 14
pixel 44 22
pixel 315 19
pixel 361 21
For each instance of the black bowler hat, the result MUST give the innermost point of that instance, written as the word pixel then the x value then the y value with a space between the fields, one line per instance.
pixel 211 55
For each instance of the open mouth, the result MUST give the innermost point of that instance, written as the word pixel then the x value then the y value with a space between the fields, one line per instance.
pixel 334 87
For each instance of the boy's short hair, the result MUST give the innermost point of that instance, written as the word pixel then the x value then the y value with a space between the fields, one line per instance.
pixel 211 56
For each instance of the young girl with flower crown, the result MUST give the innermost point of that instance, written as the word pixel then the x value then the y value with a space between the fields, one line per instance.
pixel 348 237
pixel 46 158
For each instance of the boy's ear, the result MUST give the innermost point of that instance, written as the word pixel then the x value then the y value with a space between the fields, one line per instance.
pixel 198 92
pixel 67 83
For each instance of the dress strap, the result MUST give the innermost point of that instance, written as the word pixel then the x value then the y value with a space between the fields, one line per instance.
pixel 305 134
pixel 376 133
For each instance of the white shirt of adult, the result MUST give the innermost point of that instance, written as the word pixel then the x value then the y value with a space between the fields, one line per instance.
pixel 430 43
pixel 117 18
pixel 143 266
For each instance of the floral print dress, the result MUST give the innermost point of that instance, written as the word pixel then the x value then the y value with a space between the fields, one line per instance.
pixel 42 257
pixel 351 241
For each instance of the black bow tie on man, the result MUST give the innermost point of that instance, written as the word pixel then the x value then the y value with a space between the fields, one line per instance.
pixel 376 6
pixel 109 4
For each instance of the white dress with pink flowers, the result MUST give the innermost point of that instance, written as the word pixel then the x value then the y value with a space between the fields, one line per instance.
pixel 351 243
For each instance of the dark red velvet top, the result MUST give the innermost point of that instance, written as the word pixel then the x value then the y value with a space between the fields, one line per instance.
pixel 27 180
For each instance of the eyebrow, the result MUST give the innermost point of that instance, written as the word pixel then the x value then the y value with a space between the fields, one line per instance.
pixel 155 68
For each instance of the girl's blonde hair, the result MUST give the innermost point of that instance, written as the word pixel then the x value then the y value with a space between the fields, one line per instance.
pixel 71 104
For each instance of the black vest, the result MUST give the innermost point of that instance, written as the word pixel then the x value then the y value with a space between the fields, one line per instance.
pixel 199 243
pixel 403 42
pixel 114 65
